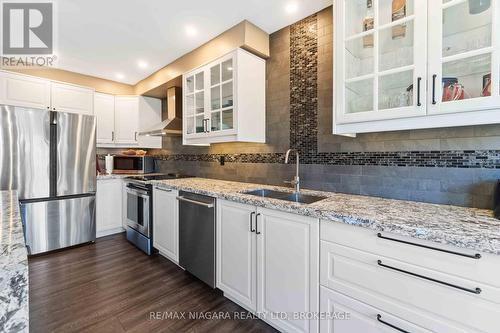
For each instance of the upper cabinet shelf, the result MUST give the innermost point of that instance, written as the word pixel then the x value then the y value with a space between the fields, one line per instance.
pixel 224 100
pixel 407 64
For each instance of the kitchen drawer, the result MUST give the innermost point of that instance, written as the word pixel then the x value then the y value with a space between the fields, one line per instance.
pixel 360 275
pixel 347 315
pixel 485 270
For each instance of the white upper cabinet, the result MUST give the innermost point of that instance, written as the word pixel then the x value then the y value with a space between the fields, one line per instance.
pixel 464 51
pixel 382 68
pixel 25 91
pixel 104 108
pixel 126 119
pixel 71 98
pixel 121 118
pixel 408 64
pixel 224 100
pixel 31 92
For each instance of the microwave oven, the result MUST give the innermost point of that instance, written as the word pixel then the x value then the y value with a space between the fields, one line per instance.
pixel 133 164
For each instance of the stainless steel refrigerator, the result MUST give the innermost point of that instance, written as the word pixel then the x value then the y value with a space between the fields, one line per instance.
pixel 49 158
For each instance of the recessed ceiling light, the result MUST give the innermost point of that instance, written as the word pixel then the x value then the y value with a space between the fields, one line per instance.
pixel 142 64
pixel 291 8
pixel 191 31
pixel 119 76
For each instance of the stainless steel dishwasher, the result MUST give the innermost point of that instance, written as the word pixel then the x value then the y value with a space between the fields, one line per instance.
pixel 197 235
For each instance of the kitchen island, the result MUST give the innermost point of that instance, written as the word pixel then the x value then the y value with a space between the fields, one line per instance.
pixel 14 310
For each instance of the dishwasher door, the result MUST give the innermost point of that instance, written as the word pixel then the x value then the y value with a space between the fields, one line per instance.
pixel 197 235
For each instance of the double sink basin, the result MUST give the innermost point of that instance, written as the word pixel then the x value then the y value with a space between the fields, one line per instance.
pixel 286 196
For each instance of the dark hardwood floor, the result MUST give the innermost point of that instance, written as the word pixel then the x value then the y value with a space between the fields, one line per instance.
pixel 110 286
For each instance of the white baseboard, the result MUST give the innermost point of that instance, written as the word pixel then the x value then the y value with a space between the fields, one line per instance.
pixel 108 232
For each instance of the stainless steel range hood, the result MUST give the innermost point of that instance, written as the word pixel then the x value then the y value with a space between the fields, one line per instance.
pixel 172 126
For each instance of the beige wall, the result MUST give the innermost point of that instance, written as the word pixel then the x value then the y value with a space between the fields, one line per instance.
pixel 244 34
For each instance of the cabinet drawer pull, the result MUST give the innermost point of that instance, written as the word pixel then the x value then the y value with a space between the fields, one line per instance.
pixel 257 232
pixel 434 89
pixel 418 91
pixel 379 318
pixel 251 222
pixel 195 202
pixel 162 189
pixel 472 256
pixel 473 291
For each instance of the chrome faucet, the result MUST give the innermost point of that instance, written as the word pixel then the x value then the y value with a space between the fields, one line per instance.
pixel 296 180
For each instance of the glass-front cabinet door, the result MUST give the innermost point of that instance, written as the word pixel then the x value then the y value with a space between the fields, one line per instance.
pixel 464 47
pixel 222 95
pixel 380 60
pixel 209 101
pixel 194 108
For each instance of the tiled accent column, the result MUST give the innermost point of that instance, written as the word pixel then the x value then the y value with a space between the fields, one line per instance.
pixel 304 86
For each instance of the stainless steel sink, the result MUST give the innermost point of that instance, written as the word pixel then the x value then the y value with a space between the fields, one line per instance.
pixel 265 193
pixel 302 198
pixel 287 196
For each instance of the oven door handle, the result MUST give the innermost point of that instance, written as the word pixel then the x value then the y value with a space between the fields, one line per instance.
pixel 139 193
pixel 204 204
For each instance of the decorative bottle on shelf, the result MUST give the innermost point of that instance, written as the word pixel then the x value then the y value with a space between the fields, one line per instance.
pixel 368 24
pixel 398 12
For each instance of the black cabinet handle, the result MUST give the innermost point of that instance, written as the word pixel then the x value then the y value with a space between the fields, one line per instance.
pixel 251 222
pixel 379 318
pixel 257 224
pixel 473 291
pixel 418 91
pixel 434 89
pixel 473 256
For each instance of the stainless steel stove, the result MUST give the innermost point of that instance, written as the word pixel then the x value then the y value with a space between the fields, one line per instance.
pixel 140 209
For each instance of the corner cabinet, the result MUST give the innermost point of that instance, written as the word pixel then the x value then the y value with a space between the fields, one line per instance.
pixel 268 262
pixel 224 101
pixel 407 64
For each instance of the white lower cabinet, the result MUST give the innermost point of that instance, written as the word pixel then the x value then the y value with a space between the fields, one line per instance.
pixel 237 253
pixel 109 207
pixel 267 261
pixel 166 223
pixel 377 273
pixel 347 315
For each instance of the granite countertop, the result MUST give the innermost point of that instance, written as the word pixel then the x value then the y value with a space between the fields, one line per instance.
pixel 105 176
pixel 469 228
pixel 13 267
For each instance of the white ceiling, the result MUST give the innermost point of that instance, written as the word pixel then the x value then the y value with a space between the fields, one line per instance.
pixel 106 37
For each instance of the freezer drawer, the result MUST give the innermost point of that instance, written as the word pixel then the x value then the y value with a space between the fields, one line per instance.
pixel 58 223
